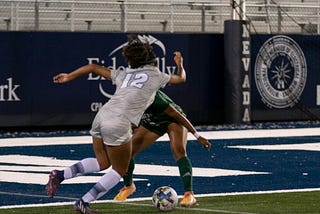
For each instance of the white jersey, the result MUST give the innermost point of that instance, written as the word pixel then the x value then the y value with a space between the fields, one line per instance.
pixel 135 91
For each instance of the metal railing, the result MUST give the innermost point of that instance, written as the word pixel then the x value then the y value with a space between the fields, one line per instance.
pixel 266 16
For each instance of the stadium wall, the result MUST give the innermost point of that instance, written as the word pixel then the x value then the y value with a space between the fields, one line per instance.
pixel 29 60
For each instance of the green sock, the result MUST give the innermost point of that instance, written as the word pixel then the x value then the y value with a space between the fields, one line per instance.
pixel 185 169
pixel 127 178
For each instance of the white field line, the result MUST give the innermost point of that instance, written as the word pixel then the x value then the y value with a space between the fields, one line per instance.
pixel 301 146
pixel 211 135
pixel 13 169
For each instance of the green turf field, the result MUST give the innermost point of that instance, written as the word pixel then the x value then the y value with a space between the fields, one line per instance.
pixel 284 203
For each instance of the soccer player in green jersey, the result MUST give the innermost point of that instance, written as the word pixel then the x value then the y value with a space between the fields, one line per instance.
pixel 164 116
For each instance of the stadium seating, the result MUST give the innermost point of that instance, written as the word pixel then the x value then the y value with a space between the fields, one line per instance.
pixel 266 16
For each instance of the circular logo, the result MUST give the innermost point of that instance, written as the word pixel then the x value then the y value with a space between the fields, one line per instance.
pixel 280 72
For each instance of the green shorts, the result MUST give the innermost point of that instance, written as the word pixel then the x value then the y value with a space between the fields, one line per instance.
pixel 158 123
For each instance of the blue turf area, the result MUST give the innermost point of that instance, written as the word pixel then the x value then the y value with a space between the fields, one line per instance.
pixel 232 165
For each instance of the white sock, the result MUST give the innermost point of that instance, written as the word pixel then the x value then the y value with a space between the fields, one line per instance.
pixel 106 182
pixel 86 165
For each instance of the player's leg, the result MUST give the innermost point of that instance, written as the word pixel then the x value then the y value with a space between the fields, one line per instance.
pixel 116 132
pixel 178 143
pixel 87 165
pixel 141 139
pixel 119 157
pixel 178 140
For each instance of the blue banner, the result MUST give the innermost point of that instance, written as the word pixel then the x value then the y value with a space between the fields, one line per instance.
pixel 29 60
pixel 285 77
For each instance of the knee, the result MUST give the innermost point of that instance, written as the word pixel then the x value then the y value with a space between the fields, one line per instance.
pixel 103 163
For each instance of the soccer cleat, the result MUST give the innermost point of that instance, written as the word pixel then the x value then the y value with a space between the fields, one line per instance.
pixel 83 207
pixel 53 183
pixel 188 200
pixel 125 192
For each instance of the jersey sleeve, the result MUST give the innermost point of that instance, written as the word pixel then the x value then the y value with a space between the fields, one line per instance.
pixel 165 80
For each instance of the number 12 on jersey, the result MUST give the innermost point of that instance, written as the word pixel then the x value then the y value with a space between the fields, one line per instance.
pixel 134 80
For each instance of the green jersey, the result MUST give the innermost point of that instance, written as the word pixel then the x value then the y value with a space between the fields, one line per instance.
pixel 154 119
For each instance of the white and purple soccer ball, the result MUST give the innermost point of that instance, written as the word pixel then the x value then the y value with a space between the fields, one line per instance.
pixel 165 198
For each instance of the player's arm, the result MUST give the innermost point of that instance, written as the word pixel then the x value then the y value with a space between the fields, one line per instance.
pixel 180 77
pixel 97 69
pixel 172 112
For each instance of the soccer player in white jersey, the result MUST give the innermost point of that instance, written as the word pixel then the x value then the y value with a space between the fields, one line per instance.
pixel 135 91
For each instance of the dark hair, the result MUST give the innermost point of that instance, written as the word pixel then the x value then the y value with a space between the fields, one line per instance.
pixel 138 53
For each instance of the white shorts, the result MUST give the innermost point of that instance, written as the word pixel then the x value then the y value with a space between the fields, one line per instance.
pixel 114 129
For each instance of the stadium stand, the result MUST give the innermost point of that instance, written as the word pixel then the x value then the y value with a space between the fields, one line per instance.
pixel 201 16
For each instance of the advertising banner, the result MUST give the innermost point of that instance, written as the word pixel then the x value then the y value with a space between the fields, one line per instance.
pixel 29 60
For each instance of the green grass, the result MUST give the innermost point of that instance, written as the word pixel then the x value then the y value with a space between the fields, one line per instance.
pixel 282 203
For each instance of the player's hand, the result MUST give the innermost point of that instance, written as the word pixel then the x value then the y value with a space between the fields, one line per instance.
pixel 178 58
pixel 61 78
pixel 205 143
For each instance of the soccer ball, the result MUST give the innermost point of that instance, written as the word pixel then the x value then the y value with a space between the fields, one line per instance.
pixel 165 198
